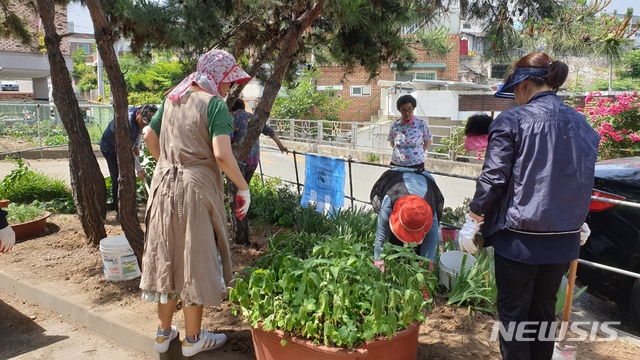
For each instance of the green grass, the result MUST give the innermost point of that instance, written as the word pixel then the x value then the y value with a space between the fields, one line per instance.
pixel 23 186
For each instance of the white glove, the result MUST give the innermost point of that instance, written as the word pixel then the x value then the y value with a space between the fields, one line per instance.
pixel 243 199
pixel 584 233
pixel 467 234
pixel 7 239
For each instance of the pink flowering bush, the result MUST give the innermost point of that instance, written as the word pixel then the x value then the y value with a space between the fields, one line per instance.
pixel 617 120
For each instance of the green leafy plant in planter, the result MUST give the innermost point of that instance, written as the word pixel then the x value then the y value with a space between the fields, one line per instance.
pixel 321 283
pixel 21 213
pixel 336 296
pixel 455 217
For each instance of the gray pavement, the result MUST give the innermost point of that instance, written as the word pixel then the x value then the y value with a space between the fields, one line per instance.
pixel 36 332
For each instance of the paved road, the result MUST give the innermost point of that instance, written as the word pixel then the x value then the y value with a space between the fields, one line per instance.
pixel 29 331
pixel 363 176
pixel 276 164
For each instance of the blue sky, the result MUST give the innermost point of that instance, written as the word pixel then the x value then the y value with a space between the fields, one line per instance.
pixel 82 21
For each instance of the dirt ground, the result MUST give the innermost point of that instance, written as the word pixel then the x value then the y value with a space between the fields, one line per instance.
pixel 60 257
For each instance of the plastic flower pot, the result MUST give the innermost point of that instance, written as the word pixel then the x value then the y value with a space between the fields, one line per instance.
pixel 448 234
pixel 4 203
pixel 31 228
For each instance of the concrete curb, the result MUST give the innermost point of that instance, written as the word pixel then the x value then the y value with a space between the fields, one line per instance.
pixel 100 323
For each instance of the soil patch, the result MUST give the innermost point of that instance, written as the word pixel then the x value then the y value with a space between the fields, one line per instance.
pixel 61 258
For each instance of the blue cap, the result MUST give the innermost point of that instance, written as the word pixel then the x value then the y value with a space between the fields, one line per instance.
pixel 517 76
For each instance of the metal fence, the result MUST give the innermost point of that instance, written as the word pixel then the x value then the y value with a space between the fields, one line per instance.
pixel 349 195
pixel 36 126
pixel 365 136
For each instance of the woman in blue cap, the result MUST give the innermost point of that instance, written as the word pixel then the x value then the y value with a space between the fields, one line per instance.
pixel 531 200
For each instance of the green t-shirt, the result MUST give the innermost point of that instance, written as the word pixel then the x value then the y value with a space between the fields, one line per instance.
pixel 220 122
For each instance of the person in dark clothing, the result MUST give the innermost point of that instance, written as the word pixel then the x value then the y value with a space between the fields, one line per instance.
pixel 531 200
pixel 139 118
pixel 7 236
pixel 241 119
pixel 409 204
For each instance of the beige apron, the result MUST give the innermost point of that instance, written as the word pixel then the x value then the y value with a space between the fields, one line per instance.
pixel 186 220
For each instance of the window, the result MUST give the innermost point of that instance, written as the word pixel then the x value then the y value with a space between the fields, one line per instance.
pixel 363 90
pixel 466 26
pixel 431 75
pixel 410 29
pixel 86 48
pixel 421 75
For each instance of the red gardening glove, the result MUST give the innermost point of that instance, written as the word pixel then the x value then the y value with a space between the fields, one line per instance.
pixel 243 199
pixel 425 294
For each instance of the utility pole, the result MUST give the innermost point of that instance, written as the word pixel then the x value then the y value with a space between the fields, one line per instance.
pixel 100 79
pixel 610 74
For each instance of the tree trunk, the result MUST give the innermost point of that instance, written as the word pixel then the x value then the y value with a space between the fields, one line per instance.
pixel 289 43
pixel 87 182
pixel 127 181
pixel 239 230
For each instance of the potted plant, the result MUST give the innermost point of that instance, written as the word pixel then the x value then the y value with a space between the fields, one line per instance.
pixel 453 219
pixel 321 297
pixel 27 220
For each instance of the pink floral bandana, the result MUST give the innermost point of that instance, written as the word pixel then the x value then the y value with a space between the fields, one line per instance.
pixel 214 68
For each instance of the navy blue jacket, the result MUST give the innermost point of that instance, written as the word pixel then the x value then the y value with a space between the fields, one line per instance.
pixel 538 172
pixel 3 219
pixel 108 141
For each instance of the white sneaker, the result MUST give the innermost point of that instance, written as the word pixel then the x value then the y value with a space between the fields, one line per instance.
pixel 207 341
pixel 162 342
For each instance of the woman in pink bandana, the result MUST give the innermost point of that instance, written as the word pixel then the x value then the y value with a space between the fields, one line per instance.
pixel 409 135
pixel 186 255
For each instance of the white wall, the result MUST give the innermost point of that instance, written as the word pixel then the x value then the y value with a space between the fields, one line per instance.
pixel 430 103
pixel 436 103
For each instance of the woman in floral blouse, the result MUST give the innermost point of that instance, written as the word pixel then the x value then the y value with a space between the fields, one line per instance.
pixel 409 135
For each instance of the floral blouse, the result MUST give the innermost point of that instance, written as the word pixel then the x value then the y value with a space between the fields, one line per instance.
pixel 241 119
pixel 408 139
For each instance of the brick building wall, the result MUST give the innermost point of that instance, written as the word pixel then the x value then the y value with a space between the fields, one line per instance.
pixel 362 107
pixel 77 39
pixel 11 45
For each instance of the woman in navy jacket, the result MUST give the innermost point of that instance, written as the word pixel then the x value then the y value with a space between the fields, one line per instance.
pixel 531 200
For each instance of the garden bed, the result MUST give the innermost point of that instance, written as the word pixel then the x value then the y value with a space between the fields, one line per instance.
pixel 59 256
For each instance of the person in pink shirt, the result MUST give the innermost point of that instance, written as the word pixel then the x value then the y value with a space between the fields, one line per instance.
pixel 476 133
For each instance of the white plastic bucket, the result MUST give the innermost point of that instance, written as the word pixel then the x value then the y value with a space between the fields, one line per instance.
pixel 451 263
pixel 118 260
